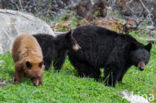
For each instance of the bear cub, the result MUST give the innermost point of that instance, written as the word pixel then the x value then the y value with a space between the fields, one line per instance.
pixel 27 55
pixel 55 48
pixel 102 48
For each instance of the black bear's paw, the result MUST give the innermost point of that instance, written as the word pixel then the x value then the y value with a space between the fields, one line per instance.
pixel 121 83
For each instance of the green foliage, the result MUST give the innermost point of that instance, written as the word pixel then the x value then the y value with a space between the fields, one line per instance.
pixel 95 15
pixel 68 21
pixel 114 14
pixel 67 87
pixel 132 33
pixel 120 22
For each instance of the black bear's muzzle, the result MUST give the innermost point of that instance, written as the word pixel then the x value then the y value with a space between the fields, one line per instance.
pixel 141 65
pixel 76 47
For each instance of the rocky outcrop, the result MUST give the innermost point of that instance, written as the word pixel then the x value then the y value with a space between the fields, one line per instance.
pixel 51 8
pixel 14 23
pixel 89 9
pixel 138 8
pixel 42 8
pixel 84 8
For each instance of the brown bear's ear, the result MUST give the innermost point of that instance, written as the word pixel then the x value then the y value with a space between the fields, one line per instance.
pixel 148 46
pixel 40 64
pixel 28 64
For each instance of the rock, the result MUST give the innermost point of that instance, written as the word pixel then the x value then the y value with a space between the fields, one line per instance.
pixel 42 8
pixel 53 8
pixel 126 7
pixel 133 98
pixel 2 82
pixel 14 23
pixel 90 9
pixel 135 7
pixel 150 27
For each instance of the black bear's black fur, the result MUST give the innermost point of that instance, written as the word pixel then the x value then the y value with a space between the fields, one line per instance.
pixel 102 48
pixel 55 48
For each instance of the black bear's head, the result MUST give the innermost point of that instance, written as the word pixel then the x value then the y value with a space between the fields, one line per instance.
pixel 71 42
pixel 140 55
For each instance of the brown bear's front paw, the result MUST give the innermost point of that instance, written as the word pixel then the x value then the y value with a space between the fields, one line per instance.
pixel 15 81
pixel 36 82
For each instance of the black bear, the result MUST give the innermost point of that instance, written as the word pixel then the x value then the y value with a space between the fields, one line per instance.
pixel 55 48
pixel 102 48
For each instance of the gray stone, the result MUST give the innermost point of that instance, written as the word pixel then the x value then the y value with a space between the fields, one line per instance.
pixel 14 23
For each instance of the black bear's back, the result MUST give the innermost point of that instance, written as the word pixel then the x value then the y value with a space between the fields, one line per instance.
pixel 96 44
pixel 46 42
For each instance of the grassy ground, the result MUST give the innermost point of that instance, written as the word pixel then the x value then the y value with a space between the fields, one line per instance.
pixel 67 87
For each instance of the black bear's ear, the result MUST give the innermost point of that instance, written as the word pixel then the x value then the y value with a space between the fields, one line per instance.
pixel 28 64
pixel 148 46
pixel 68 34
pixel 133 46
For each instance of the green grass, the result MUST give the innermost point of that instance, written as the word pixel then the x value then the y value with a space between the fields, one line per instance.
pixel 67 87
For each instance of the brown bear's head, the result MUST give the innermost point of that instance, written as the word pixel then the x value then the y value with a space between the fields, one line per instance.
pixel 34 70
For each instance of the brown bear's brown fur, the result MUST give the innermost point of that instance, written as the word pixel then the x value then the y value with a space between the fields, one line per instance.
pixel 28 59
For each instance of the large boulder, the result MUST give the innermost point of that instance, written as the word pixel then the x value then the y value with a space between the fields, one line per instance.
pixel 14 23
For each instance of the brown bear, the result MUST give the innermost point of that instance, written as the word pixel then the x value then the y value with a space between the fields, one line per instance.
pixel 28 59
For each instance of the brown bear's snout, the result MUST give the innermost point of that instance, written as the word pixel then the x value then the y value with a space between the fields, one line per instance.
pixel 35 81
pixel 141 65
